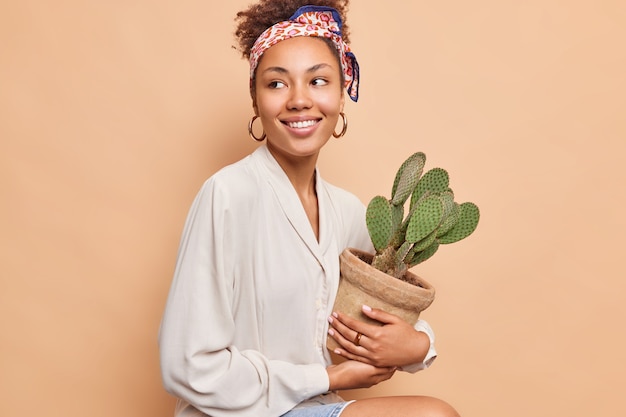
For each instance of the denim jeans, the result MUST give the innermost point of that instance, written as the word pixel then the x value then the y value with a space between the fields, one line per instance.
pixel 322 410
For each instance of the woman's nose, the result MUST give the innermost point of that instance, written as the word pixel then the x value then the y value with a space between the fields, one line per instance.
pixel 299 98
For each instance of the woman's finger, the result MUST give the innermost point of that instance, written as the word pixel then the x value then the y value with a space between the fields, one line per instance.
pixel 352 356
pixel 380 315
pixel 347 338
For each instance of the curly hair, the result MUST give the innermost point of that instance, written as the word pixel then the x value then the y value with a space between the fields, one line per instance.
pixel 265 13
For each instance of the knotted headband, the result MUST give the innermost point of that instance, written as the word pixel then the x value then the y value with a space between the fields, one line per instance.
pixel 311 21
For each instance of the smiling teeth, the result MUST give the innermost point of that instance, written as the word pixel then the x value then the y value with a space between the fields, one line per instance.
pixel 301 125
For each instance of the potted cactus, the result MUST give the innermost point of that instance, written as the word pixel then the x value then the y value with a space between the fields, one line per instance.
pixel 383 279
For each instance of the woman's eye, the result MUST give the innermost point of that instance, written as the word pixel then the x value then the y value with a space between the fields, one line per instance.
pixel 276 84
pixel 319 82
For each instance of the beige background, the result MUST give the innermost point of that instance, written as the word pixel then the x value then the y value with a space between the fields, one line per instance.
pixel 113 113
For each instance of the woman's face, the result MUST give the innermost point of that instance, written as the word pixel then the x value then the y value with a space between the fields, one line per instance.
pixel 298 96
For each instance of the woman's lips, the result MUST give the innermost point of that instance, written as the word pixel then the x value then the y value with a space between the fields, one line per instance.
pixel 301 124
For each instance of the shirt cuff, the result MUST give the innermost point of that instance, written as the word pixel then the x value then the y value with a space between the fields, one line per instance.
pixel 431 355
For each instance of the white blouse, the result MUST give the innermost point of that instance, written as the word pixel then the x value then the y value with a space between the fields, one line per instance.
pixel 245 325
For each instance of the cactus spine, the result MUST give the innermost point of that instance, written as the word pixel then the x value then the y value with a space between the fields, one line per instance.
pixel 433 218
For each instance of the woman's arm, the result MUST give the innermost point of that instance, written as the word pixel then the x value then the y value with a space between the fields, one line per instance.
pixel 199 360
pixel 355 374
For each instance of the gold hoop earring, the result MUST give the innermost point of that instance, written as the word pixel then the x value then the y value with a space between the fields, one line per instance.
pixel 345 126
pixel 251 133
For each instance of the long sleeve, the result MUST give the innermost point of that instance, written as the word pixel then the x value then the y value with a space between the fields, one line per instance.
pixel 201 364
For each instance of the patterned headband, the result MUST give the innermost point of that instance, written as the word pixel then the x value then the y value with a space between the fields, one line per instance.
pixel 311 21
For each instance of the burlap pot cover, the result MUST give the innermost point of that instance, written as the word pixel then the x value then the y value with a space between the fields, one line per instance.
pixel 360 284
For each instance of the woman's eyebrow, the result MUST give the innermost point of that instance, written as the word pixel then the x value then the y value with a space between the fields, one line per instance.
pixel 276 69
pixel 318 67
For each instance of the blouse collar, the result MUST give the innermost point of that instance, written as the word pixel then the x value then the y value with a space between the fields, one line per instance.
pixel 292 206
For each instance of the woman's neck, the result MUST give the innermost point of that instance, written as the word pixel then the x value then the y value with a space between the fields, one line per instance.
pixel 301 174
pixel 299 170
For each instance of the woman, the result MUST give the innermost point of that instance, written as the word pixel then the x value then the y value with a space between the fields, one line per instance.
pixel 250 305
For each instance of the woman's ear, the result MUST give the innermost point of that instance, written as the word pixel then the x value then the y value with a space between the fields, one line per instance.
pixel 254 104
pixel 253 97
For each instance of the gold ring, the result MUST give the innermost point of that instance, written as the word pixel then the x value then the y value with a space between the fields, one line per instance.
pixel 357 339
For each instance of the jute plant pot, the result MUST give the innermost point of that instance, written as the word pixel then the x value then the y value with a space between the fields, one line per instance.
pixel 360 283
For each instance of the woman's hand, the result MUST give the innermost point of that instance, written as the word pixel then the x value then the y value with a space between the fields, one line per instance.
pixel 394 344
pixel 354 374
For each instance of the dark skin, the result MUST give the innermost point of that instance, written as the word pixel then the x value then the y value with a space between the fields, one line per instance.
pixel 394 344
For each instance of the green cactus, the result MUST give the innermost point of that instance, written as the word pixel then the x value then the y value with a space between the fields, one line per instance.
pixel 433 219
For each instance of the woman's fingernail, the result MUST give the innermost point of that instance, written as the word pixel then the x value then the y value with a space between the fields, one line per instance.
pixel 337 351
pixel 367 308
pixel 330 319
pixel 331 332
pixel 335 315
